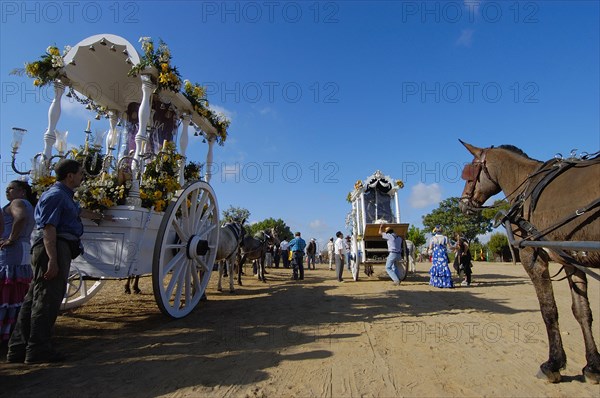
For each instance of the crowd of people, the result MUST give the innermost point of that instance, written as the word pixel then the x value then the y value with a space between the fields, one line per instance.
pixel 338 255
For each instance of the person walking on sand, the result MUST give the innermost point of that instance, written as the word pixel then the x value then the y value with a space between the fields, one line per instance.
pixel 311 252
pixel 15 257
pixel 394 246
pixel 340 254
pixel 331 253
pixel 462 261
pixel 285 253
pixel 297 246
pixel 440 272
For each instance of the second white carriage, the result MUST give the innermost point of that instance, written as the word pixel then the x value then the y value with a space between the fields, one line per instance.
pixel 374 201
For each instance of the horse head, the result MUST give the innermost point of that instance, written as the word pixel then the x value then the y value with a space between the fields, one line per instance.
pixel 480 184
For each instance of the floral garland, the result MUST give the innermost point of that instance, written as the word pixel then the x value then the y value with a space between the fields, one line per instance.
pixel 160 179
pixel 168 76
pixel 46 69
pixel 100 193
pixel 196 94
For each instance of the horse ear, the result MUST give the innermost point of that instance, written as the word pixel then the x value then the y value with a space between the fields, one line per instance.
pixel 471 148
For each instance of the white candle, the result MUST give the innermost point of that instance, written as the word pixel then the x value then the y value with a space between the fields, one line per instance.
pixel 89 125
pixel 113 138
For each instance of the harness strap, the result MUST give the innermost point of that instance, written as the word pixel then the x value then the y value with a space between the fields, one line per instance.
pixel 527 226
pixel 238 238
pixel 565 220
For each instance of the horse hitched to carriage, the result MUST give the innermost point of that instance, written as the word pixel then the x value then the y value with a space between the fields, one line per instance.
pixel 165 216
pixel 554 215
pixel 372 201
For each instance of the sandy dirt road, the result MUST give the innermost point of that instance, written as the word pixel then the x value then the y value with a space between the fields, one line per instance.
pixel 317 338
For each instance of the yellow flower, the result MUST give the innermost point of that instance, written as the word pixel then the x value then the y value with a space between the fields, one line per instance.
pixel 159 205
pixel 53 50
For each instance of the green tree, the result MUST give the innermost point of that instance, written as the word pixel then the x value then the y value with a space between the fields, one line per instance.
pixel 452 220
pixel 282 230
pixel 235 214
pixel 498 243
pixel 501 205
pixel 416 235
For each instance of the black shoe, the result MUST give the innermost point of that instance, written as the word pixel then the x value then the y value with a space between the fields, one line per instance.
pixel 15 358
pixel 54 357
pixel 301 278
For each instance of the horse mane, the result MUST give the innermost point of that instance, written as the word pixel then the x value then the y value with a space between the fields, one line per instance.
pixel 514 149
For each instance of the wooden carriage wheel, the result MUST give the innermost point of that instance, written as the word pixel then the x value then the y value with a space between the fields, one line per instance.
pixel 185 249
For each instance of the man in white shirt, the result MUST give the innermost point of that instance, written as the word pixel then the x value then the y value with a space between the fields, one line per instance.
pixel 331 253
pixel 340 253
pixel 284 246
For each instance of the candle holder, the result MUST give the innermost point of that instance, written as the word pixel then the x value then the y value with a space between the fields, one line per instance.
pixel 17 140
pixel 61 142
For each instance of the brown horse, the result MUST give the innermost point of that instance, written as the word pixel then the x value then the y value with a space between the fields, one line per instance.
pixel 552 201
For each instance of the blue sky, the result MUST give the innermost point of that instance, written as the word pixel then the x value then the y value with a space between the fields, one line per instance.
pixel 322 94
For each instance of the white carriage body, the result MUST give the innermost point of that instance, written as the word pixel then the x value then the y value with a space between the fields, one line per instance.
pixel 119 248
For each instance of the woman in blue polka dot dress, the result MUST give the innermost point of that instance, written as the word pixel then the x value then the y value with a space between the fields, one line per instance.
pixel 441 275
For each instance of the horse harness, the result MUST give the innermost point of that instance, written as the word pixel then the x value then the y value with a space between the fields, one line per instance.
pixel 548 171
pixel 262 241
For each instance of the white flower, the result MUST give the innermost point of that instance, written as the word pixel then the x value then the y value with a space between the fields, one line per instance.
pixel 57 61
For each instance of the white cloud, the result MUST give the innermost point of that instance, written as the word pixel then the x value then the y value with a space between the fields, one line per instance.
pixel 466 38
pixel 265 110
pixel 318 225
pixel 74 109
pixel 422 195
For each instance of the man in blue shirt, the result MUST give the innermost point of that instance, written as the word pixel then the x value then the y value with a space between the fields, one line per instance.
pixel 297 246
pixel 394 244
pixel 54 244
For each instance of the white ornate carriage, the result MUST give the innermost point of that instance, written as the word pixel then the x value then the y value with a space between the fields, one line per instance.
pixel 374 201
pixel 178 245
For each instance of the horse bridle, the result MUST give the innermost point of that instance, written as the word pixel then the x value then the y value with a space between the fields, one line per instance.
pixel 472 173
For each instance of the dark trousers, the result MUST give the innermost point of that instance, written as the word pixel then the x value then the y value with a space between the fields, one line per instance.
pixel 41 305
pixel 298 265
pixel 310 258
pixel 285 256
pixel 466 271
